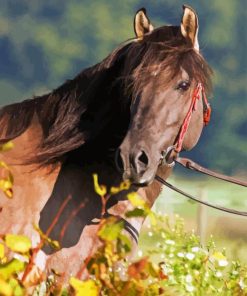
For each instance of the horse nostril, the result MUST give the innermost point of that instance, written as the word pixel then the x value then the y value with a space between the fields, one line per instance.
pixel 143 158
pixel 119 161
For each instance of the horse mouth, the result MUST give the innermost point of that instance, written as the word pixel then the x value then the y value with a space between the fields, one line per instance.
pixel 139 170
pixel 142 184
pixel 140 180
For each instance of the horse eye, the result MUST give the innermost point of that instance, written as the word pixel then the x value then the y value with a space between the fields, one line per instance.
pixel 183 85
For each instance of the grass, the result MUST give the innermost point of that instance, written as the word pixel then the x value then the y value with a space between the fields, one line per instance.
pixel 227 230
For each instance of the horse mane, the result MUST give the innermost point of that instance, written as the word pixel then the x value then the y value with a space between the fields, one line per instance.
pixel 65 114
pixel 59 114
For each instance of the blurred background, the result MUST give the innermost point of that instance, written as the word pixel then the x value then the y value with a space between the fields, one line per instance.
pixel 43 43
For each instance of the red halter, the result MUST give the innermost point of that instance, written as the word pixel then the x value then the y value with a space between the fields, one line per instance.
pixel 199 90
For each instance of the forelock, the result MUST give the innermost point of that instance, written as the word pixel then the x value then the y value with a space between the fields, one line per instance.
pixel 147 59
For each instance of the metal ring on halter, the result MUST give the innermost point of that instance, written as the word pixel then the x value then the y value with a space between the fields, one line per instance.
pixel 166 153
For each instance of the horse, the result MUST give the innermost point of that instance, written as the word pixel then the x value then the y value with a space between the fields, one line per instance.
pixel 114 119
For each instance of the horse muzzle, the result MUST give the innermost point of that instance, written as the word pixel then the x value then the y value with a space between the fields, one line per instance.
pixel 136 166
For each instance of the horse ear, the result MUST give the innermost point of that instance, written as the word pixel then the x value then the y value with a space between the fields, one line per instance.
pixel 189 26
pixel 142 24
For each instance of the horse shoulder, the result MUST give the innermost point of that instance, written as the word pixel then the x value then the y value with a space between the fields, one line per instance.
pixel 32 186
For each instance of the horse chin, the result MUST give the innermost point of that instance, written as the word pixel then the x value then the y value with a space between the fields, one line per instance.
pixel 141 180
pixel 142 183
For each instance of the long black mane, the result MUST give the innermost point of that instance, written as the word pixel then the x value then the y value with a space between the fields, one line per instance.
pixel 69 115
pixel 94 105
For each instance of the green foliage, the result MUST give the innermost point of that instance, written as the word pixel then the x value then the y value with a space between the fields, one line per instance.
pixel 11 268
pixel 176 264
pixel 84 288
pixel 111 230
pixel 42 43
pixel 6 177
pixel 191 268
pixel 17 243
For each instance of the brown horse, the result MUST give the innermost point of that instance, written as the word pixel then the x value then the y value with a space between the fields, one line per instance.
pixel 126 109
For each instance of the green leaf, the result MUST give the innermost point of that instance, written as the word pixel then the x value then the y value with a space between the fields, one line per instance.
pixel 99 189
pixel 18 243
pixel 12 267
pixel 125 242
pixel 5 288
pixel 6 183
pixel 54 244
pixel 1 251
pixel 125 185
pixel 153 290
pixel 152 270
pixel 6 147
pixel 111 229
pixel 4 165
pixel 64 292
pixel 136 213
pixel 152 217
pixel 17 289
pixel 87 288
pixel 136 200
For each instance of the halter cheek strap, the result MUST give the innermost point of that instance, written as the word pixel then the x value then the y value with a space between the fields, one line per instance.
pixel 207 109
pixel 198 92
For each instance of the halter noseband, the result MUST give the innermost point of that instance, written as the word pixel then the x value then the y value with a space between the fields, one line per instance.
pixel 177 147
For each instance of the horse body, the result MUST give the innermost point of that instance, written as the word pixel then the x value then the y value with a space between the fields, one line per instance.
pixel 39 194
pixel 126 106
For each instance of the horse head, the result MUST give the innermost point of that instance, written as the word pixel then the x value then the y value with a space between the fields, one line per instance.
pixel 168 68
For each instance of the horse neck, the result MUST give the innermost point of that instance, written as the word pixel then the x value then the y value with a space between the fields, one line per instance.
pixel 79 110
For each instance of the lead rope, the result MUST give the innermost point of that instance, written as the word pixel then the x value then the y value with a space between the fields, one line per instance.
pixel 191 165
pixel 223 209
